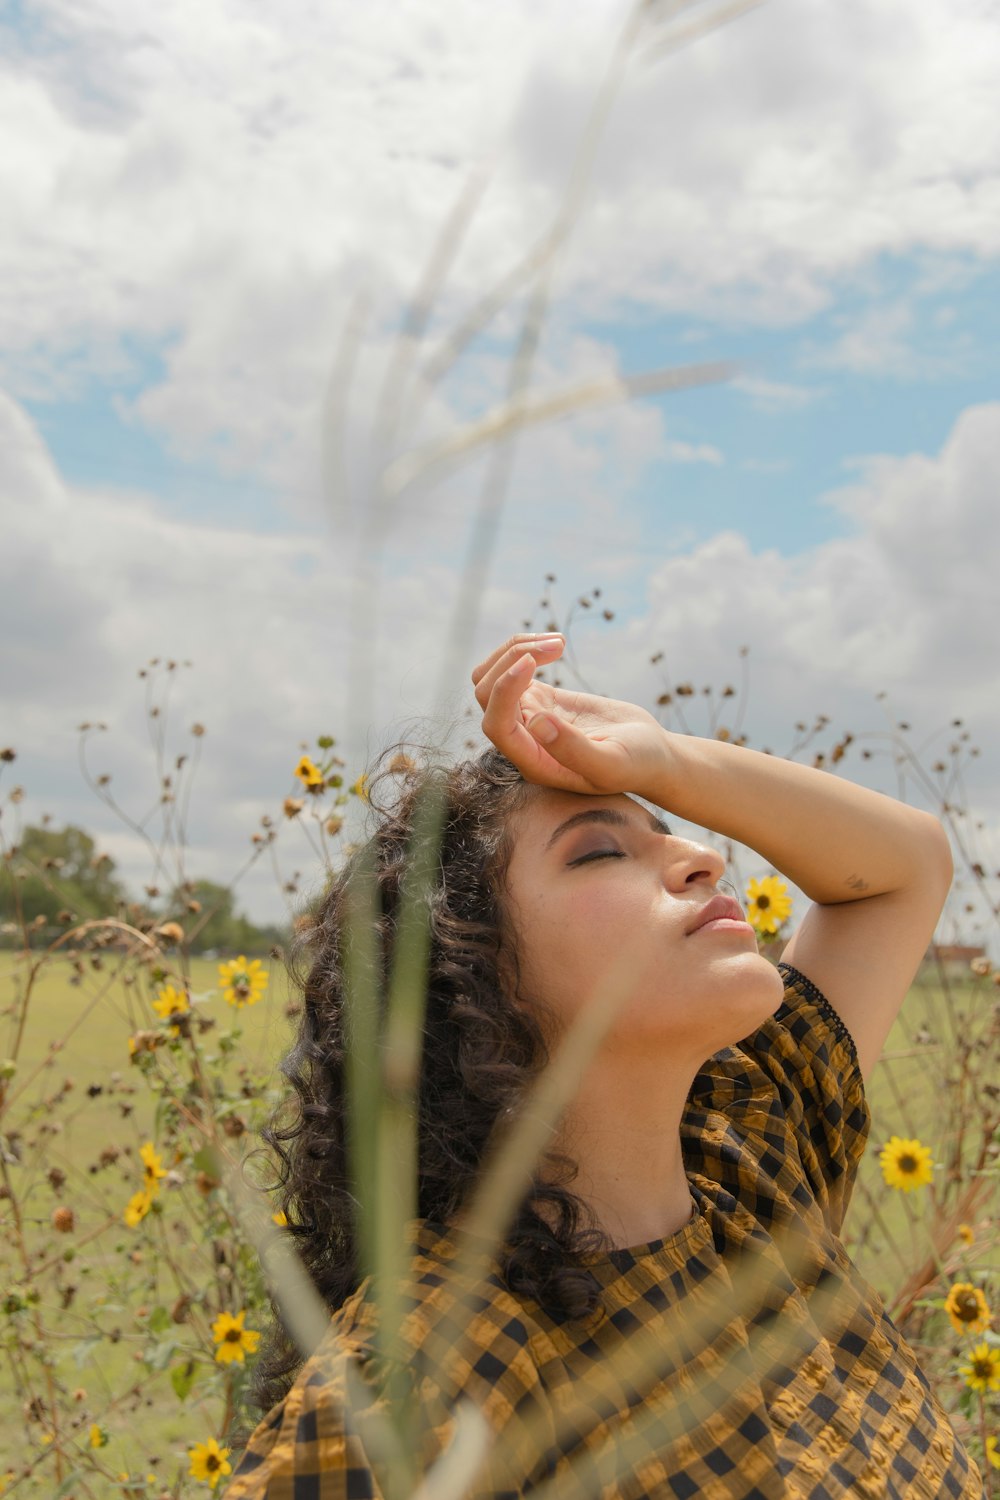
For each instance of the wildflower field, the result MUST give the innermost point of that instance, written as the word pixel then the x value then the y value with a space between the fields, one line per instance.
pixel 135 1074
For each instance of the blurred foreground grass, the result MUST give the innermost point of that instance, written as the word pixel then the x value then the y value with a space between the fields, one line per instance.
pixel 121 1280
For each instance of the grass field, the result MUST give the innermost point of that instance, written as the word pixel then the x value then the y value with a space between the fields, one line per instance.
pixel 92 1023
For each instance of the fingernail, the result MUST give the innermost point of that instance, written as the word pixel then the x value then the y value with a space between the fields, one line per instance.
pixel 548 644
pixel 544 729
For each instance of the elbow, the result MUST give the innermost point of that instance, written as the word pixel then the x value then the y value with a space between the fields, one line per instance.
pixel 935 853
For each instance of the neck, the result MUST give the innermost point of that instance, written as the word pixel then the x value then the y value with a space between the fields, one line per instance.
pixel 623 1132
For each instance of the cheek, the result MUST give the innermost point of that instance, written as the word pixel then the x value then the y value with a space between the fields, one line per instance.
pixel 573 938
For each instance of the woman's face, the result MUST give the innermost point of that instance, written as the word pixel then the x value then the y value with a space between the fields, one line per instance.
pixel 597 885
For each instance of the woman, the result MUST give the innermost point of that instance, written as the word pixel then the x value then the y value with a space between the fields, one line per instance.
pixel 693 1198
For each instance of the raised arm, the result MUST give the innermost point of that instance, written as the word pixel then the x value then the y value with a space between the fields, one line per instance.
pixel 877 871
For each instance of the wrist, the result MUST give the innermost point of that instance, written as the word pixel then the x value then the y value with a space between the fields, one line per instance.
pixel 662 779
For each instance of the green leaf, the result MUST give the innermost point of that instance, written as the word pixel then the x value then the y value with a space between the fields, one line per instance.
pixel 159 1319
pixel 68 1483
pixel 182 1378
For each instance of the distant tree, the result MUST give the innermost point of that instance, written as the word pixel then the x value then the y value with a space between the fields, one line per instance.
pixel 207 912
pixel 57 873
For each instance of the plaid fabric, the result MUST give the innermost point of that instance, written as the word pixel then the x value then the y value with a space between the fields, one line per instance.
pixel 769 1366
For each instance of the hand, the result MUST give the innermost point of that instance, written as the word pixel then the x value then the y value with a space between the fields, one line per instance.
pixel 573 742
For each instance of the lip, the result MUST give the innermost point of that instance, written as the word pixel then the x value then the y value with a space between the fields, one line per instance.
pixel 719 909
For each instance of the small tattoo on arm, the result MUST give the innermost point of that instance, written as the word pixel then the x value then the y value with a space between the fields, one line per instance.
pixel 856 883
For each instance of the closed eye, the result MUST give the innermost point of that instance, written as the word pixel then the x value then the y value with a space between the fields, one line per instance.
pixel 596 854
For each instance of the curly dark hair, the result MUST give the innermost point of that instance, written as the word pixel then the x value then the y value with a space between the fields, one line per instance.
pixel 482 1046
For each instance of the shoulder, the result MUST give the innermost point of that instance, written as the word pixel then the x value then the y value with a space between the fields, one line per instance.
pixel 787 1103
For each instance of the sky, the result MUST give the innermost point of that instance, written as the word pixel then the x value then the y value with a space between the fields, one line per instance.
pixel 221 220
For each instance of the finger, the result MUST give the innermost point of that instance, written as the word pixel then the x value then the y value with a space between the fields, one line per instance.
pixel 513 646
pixel 513 697
pixel 544 648
pixel 503 722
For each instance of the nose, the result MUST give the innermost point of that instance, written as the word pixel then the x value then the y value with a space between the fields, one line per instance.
pixel 691 864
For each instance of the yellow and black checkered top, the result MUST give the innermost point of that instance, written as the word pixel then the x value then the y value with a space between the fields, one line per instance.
pixel 743 1356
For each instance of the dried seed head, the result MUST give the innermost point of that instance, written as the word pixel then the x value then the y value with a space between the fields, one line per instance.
pixel 179 1311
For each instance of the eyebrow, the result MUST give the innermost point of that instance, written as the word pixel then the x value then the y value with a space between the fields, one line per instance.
pixel 602 815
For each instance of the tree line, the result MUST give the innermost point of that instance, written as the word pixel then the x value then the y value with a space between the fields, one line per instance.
pixel 54 878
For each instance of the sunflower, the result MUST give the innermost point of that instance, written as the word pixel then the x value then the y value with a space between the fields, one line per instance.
pixel 171 1002
pixel 768 903
pixel 360 787
pixel 280 1218
pixel 966 1234
pixel 982 1373
pixel 967 1308
pixel 243 983
pixel 309 774
pixel 98 1436
pixel 153 1169
pixel 905 1164
pixel 208 1462
pixel 137 1208
pixel 233 1339
pixel 992 1452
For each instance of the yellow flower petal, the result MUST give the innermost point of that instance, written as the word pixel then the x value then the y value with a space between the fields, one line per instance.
pixel 169 1001
pixel 309 773
pixel 967 1308
pixel 906 1164
pixel 242 982
pixel 137 1208
pixel 208 1462
pixel 982 1373
pixel 768 903
pixel 233 1340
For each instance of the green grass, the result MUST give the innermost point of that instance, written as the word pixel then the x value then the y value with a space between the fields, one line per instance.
pixel 93 1021
pixel 908 1093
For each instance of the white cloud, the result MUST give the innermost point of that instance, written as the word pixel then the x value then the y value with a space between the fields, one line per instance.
pixel 223 180
pixel 94 584
pixel 884 340
pixel 694 453
pixel 905 605
pixel 775 395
